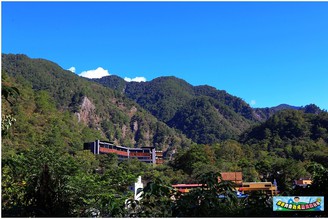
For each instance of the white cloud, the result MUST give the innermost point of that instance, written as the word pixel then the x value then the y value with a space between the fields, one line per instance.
pixel 72 69
pixel 253 102
pixel 136 79
pixel 97 73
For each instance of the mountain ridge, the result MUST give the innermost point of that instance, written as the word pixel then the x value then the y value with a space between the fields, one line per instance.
pixel 121 108
pixel 167 97
pixel 118 83
pixel 117 118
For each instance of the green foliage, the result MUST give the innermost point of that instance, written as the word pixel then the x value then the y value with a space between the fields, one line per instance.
pixel 224 157
pixel 205 201
pixel 256 204
pixel 234 103
pixel 191 159
pixel 113 82
pixel 45 172
pixel 48 181
pixel 320 178
pixel 292 134
pixel 100 108
pixel 86 161
pixel 312 108
pixel 233 147
pixel 44 103
pixel 42 175
pixel 162 96
pixel 206 121
pixel 156 200
pixel 203 113
pixel 8 92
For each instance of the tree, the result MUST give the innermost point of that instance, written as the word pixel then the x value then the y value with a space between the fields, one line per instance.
pixel 189 159
pixel 157 200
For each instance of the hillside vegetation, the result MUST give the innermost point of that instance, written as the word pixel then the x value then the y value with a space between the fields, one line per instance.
pixel 203 113
pixel 48 113
pixel 181 105
pixel 116 117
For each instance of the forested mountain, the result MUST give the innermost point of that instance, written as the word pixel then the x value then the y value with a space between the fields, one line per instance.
pixel 31 120
pixel 116 117
pixel 203 113
pixel 292 134
pixel 46 173
pixel 48 113
pixel 185 107
pixel 207 120
pixel 162 96
pixel 265 113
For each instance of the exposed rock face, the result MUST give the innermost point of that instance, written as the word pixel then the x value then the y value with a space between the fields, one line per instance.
pixel 135 126
pixel 87 112
pixel 133 111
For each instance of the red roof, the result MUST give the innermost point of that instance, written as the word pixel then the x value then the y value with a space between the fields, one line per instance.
pixel 232 176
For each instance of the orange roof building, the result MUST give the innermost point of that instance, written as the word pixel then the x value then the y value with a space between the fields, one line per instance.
pixel 236 177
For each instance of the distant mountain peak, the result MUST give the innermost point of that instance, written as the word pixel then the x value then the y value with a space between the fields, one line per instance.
pixel 286 106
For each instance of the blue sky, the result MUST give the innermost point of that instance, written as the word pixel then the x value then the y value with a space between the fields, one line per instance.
pixel 266 53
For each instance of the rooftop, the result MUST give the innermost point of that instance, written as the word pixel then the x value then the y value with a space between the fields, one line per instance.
pixel 232 176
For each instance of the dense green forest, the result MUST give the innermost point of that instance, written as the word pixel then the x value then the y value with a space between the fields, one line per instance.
pixel 203 113
pixel 172 100
pixel 48 113
pixel 118 118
